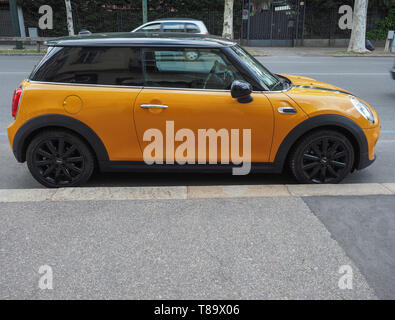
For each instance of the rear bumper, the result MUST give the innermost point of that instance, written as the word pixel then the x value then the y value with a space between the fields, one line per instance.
pixel 11 132
pixel 393 73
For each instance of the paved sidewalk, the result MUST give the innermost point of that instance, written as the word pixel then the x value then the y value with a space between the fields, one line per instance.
pixel 199 242
pixel 269 248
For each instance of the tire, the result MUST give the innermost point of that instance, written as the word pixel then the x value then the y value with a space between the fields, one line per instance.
pixel 59 159
pixel 324 156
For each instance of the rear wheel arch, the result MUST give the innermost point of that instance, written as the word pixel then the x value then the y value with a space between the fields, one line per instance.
pixel 35 126
pixel 337 123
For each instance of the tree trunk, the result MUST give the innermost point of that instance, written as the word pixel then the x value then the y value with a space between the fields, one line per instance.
pixel 358 33
pixel 228 20
pixel 69 14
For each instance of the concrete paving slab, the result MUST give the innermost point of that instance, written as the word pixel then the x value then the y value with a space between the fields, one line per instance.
pixel 390 186
pixel 337 189
pixel 240 191
pixel 118 193
pixel 25 195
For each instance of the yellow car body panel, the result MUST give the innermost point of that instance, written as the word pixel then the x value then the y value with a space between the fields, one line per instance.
pixel 108 111
pixel 114 113
pixel 196 110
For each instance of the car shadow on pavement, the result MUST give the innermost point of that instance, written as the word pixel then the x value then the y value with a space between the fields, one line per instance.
pixel 184 179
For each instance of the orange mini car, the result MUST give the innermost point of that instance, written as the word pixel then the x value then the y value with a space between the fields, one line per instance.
pixel 103 100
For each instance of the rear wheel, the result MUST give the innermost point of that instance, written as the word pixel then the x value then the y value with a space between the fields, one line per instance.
pixel 59 159
pixel 322 157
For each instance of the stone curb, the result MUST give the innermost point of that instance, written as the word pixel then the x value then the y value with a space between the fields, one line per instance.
pixel 193 192
pixel 363 55
pixel 22 54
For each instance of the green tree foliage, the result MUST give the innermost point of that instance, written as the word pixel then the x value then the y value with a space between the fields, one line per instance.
pixel 383 26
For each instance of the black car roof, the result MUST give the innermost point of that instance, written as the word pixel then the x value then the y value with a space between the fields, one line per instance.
pixel 141 39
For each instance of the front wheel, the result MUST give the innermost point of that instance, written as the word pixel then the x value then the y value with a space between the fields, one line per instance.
pixel 59 159
pixel 322 157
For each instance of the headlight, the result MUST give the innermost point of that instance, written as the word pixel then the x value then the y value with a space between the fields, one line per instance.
pixel 363 109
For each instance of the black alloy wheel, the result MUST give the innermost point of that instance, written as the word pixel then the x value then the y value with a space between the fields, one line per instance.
pixel 322 157
pixel 59 159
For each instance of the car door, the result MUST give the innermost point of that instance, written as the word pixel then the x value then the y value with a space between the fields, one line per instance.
pixel 180 93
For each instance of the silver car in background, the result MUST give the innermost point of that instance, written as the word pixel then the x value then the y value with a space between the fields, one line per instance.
pixel 174 25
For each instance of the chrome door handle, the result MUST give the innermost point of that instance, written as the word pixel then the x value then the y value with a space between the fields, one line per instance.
pixel 154 106
pixel 287 110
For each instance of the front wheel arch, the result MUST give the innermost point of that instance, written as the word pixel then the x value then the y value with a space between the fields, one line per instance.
pixel 341 130
pixel 334 122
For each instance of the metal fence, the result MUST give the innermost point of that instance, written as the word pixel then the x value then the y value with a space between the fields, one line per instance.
pixel 109 19
pixel 284 21
pixel 307 21
pixel 323 23
pixel 5 23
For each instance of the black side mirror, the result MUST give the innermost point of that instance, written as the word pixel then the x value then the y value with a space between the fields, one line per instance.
pixel 241 91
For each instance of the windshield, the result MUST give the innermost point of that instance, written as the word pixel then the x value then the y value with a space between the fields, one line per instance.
pixel 268 78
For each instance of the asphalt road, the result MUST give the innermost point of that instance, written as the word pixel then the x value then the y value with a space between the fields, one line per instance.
pixel 365 228
pixel 367 77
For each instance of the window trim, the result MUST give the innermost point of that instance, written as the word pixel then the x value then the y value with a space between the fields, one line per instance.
pixel 149 24
pixel 146 87
pixel 258 83
pixel 245 72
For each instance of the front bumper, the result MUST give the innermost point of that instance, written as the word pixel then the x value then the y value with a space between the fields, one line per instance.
pixel 367 157
pixel 365 162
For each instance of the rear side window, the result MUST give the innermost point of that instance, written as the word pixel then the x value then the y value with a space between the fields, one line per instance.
pixel 192 28
pixel 92 65
pixel 173 27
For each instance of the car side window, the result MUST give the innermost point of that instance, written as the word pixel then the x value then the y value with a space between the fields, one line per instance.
pixel 93 65
pixel 188 68
pixel 191 28
pixel 151 28
pixel 173 27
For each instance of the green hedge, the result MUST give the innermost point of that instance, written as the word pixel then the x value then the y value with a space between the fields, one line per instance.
pixel 383 26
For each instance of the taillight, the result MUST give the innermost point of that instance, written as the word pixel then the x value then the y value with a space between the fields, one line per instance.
pixel 15 101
